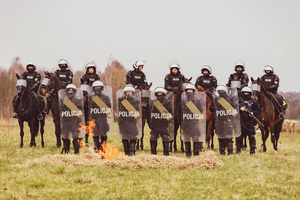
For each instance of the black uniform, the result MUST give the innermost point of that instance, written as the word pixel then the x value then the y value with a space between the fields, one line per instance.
pixel 190 127
pixel 172 81
pixel 242 77
pixel 208 83
pixel 128 124
pixel 89 78
pixel 159 126
pixel 226 123
pixel 101 126
pixel 33 80
pixel 271 82
pixel 247 122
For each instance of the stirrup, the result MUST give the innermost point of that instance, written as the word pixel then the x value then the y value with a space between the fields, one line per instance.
pixel 281 116
pixel 14 115
pixel 40 117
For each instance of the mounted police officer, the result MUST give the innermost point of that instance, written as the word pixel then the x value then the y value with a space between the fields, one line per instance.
pixel 90 75
pixel 71 116
pixel 65 77
pixel 173 79
pixel 227 118
pixel 207 81
pixel 191 118
pixel 100 111
pixel 136 77
pixel 238 79
pixel 247 104
pixel 160 119
pixel 271 82
pixel 129 117
pixel 33 79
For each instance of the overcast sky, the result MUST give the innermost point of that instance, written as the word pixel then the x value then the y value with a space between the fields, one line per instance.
pixel 195 33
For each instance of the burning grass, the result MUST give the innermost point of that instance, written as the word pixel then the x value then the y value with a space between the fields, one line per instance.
pixel 207 160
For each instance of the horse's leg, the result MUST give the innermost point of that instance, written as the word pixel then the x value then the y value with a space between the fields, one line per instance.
pixel 42 131
pixel 142 140
pixel 56 121
pixel 21 124
pixel 176 127
pixel 33 133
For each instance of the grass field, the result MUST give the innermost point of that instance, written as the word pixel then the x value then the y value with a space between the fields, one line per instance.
pixel 262 176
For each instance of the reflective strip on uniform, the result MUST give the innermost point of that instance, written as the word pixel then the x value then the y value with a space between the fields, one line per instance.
pixel 162 110
pixel 101 104
pixel 194 109
pixel 227 106
pixel 130 108
pixel 72 106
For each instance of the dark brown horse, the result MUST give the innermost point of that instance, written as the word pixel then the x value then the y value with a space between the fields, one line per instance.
pixel 269 117
pixel 177 99
pixel 29 111
pixel 55 85
pixel 209 122
pixel 144 114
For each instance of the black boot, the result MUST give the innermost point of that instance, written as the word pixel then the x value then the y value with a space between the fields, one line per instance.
pixel 252 142
pixel 76 145
pixel 230 146
pixel 166 148
pixel 222 146
pixel 47 107
pixel 97 146
pixel 132 147
pixel 196 148
pixel 188 149
pixel 239 143
pixel 66 146
pixel 126 146
pixel 153 146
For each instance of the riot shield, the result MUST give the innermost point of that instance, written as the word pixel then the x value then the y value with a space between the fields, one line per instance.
pixel 101 113
pixel 161 117
pixel 145 97
pixel 227 115
pixel 129 115
pixel 236 84
pixel 71 114
pixel 193 116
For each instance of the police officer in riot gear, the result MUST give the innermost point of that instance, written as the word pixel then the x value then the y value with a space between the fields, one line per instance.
pixel 271 82
pixel 33 79
pixel 240 76
pixel 173 79
pixel 207 81
pixel 225 124
pixel 128 124
pixel 136 77
pixel 190 127
pixel 247 104
pixel 101 125
pixel 65 77
pixel 158 123
pixel 90 74
pixel 71 124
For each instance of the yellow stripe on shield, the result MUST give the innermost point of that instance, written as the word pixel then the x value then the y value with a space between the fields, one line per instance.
pixel 194 110
pixel 130 108
pixel 162 110
pixel 102 105
pixel 227 106
pixel 72 107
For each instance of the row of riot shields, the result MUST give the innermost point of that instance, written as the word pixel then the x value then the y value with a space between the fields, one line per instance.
pixel 160 114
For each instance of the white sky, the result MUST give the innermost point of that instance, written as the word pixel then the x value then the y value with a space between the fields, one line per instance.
pixel 195 33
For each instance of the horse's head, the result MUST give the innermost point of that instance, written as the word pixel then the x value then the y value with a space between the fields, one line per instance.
pixel 50 82
pixel 256 86
pixel 182 85
pixel 21 86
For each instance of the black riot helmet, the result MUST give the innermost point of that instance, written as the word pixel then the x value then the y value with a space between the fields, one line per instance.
pixel 30 67
pixel 63 64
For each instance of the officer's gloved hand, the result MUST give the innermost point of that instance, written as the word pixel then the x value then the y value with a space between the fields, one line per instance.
pixel 175 89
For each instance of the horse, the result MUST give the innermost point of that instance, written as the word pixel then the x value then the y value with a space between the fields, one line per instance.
pixel 270 118
pixel 177 99
pixel 54 85
pixel 28 111
pixel 210 122
pixel 144 113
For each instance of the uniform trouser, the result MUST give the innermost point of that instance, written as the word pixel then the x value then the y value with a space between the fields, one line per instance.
pixel 226 142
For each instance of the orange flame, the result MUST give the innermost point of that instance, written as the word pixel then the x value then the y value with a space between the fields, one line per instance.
pixel 88 128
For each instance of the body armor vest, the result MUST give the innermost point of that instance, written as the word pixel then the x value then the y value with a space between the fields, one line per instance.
pixel 269 80
pixel 63 76
pixel 206 82
pixel 174 80
pixel 91 78
pixel 31 78
pixel 136 78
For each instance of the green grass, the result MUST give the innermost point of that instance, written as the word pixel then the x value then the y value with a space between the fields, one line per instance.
pixel 262 176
